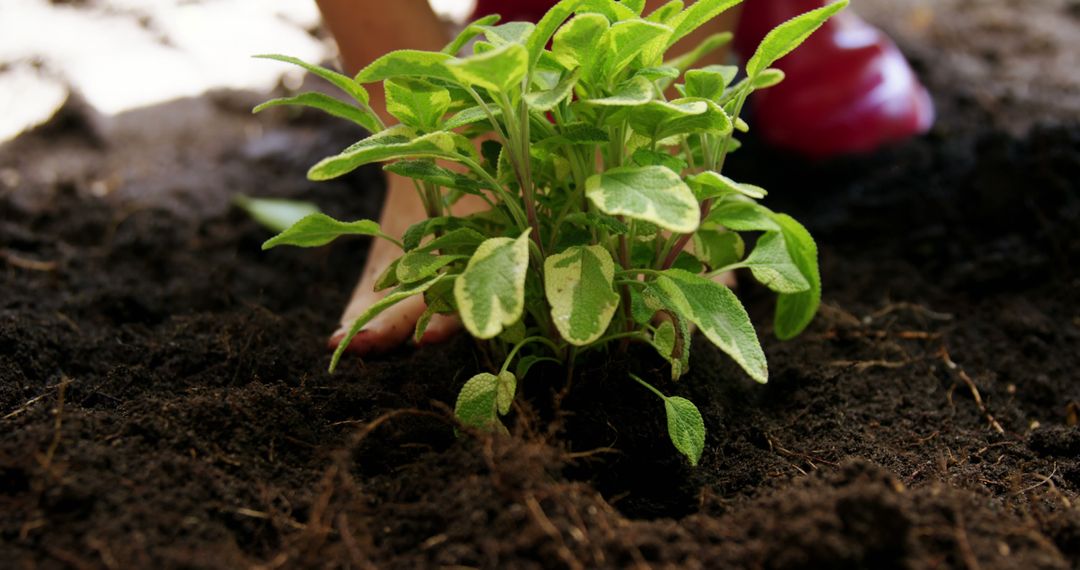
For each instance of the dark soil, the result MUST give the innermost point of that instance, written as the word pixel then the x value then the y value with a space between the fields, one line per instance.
pixel 164 401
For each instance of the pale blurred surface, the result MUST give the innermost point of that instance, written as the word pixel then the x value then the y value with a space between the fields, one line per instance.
pixel 125 54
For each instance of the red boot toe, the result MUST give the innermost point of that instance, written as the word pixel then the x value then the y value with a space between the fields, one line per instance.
pixel 847 88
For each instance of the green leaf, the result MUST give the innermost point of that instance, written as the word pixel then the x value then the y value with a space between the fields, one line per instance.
pixel 395 142
pixel 329 105
pixel 632 93
pixel 659 120
pixel 396 296
pixel 471 115
pixel 742 216
pixel 509 33
pixel 574 134
pixel 417 265
pixel 709 82
pixel 632 38
pixel 697 15
pixel 795 311
pixel 440 301
pixel 718 313
pixel 666 12
pixel 354 89
pixel 707 46
pixel 460 240
pixel 768 78
pixel 773 266
pixel 388 277
pixel 546 27
pixel 636 5
pixel 646 157
pixel 417 103
pixel 577 43
pixel 718 248
pixel 547 100
pixel 671 339
pixel 612 10
pixel 497 70
pixel 491 292
pixel 483 398
pixel 471 31
pixel 428 171
pixel 318 229
pixel 527 362
pixel 407 63
pixel 787 36
pixel 710 184
pixel 275 214
pixel 650 193
pixel 686 427
pixel 578 284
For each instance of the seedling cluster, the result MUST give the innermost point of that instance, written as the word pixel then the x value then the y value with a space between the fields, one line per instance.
pixel 601 161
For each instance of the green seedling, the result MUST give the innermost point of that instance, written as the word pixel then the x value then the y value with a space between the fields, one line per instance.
pixel 601 160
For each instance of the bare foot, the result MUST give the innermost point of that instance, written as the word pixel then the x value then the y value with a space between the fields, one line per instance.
pixel 393 326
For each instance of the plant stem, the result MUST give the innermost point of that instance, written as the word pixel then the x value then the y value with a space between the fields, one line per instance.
pixel 649 386
pixel 520 345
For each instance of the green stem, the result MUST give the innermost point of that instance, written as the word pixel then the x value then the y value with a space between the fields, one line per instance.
pixel 520 345
pixel 649 386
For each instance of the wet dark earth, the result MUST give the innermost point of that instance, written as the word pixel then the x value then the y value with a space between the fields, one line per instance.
pixel 164 401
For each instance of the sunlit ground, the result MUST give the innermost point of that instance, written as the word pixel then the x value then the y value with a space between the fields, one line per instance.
pixel 124 54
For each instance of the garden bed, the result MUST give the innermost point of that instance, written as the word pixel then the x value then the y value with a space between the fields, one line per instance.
pixel 164 400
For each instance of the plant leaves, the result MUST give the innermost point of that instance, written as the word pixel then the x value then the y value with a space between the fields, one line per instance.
pixel 629 39
pixel 491 292
pixel 471 31
pixel 612 10
pixel 718 249
pixel 417 103
pixel 428 171
pixel 275 214
pixel 787 36
pixel 577 43
pixel 439 300
pixel 579 287
pixel 497 70
pixel 695 16
pixel 650 193
pixel 795 311
pixel 546 27
pixel 417 265
pixel 343 82
pixel 666 12
pixel 547 100
pixel 407 63
pixel 686 427
pixel 394 297
pixel 710 184
pixel 709 82
pixel 773 267
pixel 471 115
pixel 395 142
pixel 318 229
pixel 632 93
pixel 527 362
pixel 742 216
pixel 718 313
pixel 659 120
pixel 509 33
pixel 329 105
pixel 483 398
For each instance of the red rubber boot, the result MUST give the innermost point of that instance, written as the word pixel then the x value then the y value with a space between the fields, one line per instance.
pixel 848 88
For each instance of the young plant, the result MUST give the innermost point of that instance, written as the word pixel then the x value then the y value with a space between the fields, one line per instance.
pixel 601 161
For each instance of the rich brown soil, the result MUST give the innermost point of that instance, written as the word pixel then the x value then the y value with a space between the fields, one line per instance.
pixel 164 401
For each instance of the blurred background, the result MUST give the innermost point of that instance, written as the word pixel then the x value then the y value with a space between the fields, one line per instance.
pixel 123 54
